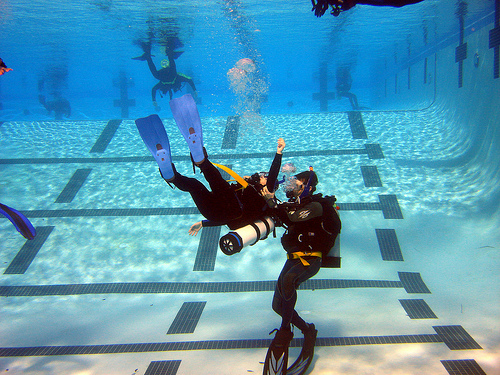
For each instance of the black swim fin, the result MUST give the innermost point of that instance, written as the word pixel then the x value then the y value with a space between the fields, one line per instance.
pixel 177 54
pixel 276 361
pixel 300 366
pixel 143 57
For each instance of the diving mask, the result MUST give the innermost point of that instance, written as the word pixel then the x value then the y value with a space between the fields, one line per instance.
pixel 292 186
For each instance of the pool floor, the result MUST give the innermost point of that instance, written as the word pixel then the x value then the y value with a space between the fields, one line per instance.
pixel 113 283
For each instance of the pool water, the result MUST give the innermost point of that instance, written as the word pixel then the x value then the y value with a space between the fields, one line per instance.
pixel 113 283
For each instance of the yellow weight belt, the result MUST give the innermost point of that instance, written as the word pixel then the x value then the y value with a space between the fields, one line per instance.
pixel 301 254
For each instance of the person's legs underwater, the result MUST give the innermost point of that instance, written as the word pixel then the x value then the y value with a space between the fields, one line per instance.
pixel 285 296
pixel 220 204
pixel 223 205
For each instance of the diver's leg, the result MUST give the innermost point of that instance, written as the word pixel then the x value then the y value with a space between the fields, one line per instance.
pixel 208 204
pixel 352 99
pixel 221 188
pixel 355 100
pixel 213 176
pixel 198 191
pixel 218 205
pixel 152 67
pixel 293 274
pixel 191 83
pixel 285 295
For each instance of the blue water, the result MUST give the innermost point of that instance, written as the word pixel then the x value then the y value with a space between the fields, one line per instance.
pixel 437 130
pixel 80 49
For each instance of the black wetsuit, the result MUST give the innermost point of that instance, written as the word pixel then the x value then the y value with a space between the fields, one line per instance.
pixel 227 204
pixel 391 3
pixel 321 6
pixel 305 233
pixel 168 77
pixel 344 83
pixel 59 105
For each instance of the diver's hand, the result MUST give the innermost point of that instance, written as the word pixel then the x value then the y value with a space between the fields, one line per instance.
pixel 268 196
pixel 195 228
pixel 157 107
pixel 281 146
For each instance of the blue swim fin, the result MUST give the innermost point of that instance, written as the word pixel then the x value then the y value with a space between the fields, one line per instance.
pixel 22 224
pixel 188 121
pixel 156 140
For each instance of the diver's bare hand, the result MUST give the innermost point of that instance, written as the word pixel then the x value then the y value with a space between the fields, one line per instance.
pixel 281 145
pixel 268 196
pixel 195 228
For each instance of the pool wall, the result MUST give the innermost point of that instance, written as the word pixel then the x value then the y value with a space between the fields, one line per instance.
pixel 466 99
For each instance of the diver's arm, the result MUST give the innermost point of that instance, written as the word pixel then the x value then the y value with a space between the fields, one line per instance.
pixel 196 227
pixel 152 67
pixel 211 223
pixel 275 166
pixel 153 92
pixel 268 197
pixel 184 78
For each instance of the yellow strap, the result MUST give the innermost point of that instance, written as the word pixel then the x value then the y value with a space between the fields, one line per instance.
pixel 301 254
pixel 233 174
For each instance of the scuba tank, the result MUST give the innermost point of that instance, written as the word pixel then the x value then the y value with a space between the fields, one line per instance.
pixel 332 259
pixel 248 235
pixel 332 226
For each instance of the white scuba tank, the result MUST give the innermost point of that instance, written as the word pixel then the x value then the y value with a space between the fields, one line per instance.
pixel 248 235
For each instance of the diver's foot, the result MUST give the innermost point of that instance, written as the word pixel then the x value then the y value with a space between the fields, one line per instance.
pixel 276 362
pixel 309 338
pixel 281 341
pixel 164 160
pixel 196 146
pixel 168 180
pixel 205 157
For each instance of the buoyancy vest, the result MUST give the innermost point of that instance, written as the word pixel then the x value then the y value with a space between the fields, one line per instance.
pixel 317 234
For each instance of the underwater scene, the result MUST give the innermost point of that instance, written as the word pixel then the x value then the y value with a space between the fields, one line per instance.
pixel 250 187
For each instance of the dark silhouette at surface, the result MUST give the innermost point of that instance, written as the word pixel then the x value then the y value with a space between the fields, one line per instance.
pixel 321 6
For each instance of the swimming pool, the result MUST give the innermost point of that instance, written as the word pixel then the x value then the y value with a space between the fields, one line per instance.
pixel 114 284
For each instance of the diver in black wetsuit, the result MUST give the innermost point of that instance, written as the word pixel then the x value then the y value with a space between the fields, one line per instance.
pixel 344 83
pixel 59 106
pixel 169 79
pixel 229 204
pixel 312 225
pixel 321 6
